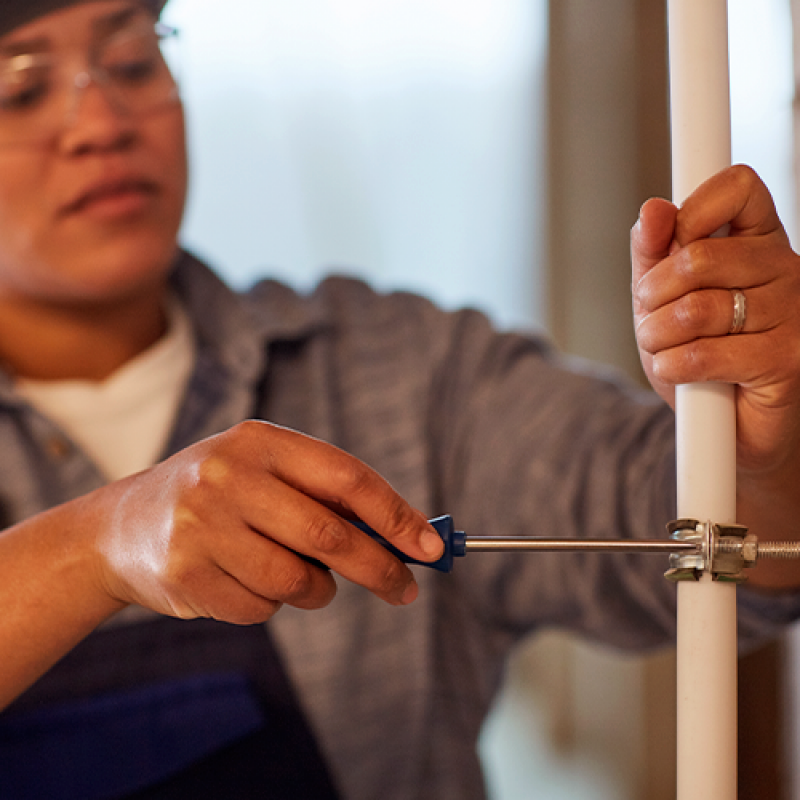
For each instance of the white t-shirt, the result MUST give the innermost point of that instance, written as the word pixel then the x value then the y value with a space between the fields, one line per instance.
pixel 123 422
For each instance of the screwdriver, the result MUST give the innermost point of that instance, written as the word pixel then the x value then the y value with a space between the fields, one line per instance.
pixel 458 544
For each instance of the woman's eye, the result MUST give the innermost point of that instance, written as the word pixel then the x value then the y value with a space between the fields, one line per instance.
pixel 131 71
pixel 22 94
pixel 132 58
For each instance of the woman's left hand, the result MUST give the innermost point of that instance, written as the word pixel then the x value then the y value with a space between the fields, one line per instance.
pixel 684 285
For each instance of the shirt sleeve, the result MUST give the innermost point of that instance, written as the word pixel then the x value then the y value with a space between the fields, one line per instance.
pixel 512 439
pixel 532 443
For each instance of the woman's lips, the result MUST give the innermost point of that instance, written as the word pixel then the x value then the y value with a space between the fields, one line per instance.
pixel 113 199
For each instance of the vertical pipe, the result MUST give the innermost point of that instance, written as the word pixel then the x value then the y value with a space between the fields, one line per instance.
pixel 706 425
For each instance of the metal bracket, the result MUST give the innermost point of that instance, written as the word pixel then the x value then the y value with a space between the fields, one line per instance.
pixel 723 550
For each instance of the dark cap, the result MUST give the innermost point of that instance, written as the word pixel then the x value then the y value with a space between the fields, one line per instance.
pixel 18 12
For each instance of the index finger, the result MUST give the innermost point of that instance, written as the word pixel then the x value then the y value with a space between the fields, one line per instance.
pixel 736 197
pixel 341 481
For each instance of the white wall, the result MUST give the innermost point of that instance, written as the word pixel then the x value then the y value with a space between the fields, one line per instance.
pixel 762 92
pixel 396 139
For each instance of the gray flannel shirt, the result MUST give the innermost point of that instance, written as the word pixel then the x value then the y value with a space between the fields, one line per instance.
pixel 494 429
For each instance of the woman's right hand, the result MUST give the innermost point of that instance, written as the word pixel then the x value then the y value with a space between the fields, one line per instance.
pixel 215 531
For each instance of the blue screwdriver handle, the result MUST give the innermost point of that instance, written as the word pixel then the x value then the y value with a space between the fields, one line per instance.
pixel 455 544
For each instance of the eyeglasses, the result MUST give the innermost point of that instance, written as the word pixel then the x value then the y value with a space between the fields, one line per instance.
pixel 40 93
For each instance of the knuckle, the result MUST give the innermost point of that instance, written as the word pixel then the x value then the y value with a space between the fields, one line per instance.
pixel 744 176
pixel 680 365
pixel 315 590
pixel 241 439
pixel 695 360
pixel 691 311
pixel 644 299
pixel 645 342
pixel 328 534
pixel 302 585
pixel 177 555
pixel 391 577
pixel 396 512
pixel 662 367
pixel 246 429
pixel 213 471
pixel 352 476
pixel 696 260
pixel 294 582
pixel 205 467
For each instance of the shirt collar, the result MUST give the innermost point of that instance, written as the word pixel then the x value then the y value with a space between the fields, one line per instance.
pixel 238 327
pixel 233 329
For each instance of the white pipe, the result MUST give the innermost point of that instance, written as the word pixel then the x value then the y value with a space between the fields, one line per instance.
pixel 706 425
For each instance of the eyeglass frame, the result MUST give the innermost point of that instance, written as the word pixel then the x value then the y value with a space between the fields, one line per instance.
pixel 94 73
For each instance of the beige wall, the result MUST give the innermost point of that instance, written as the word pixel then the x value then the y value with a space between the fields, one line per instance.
pixel 608 152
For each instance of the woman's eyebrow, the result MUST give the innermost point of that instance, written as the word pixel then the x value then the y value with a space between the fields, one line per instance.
pixel 101 26
pixel 117 20
pixel 22 46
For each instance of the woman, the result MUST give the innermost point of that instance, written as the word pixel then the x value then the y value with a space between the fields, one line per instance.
pixel 120 351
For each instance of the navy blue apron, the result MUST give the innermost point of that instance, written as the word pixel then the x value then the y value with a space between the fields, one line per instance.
pixel 164 710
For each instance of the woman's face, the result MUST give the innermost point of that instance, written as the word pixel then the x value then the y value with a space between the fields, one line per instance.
pixel 90 214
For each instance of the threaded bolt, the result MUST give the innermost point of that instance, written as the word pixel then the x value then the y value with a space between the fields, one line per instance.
pixel 783 550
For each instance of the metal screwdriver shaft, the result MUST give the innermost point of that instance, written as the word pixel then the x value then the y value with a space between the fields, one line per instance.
pixel 489 544
pixel 685 544
pixel 458 544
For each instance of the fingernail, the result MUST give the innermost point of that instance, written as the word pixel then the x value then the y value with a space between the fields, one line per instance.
pixel 410 593
pixel 431 543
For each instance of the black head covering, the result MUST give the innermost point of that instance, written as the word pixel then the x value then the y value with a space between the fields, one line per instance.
pixel 14 13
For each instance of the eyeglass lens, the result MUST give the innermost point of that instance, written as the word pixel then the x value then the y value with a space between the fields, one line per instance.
pixel 39 91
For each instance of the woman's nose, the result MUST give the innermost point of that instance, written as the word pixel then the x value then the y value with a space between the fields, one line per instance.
pixel 94 120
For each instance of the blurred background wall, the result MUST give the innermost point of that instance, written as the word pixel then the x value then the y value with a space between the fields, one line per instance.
pixel 491 153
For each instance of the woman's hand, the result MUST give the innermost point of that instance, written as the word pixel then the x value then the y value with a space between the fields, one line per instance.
pixel 683 282
pixel 215 531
